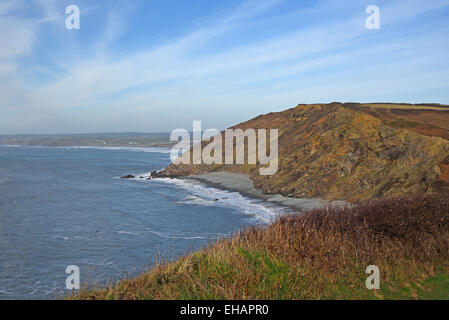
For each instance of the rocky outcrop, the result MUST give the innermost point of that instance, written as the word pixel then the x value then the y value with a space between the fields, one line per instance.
pixel 348 152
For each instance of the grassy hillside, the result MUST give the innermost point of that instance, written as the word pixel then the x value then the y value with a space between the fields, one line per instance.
pixel 350 151
pixel 322 254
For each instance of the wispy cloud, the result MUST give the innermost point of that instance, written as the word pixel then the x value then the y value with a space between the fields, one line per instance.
pixel 220 66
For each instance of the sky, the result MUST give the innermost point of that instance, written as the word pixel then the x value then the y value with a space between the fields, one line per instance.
pixel 151 66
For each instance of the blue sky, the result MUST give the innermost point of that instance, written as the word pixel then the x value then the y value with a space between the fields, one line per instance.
pixel 145 65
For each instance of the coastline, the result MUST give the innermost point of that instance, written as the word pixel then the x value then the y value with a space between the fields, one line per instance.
pixel 112 145
pixel 241 183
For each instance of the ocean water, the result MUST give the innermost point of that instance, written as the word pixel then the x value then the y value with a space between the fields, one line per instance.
pixel 63 206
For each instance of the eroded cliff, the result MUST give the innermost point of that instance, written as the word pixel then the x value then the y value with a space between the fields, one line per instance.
pixel 350 151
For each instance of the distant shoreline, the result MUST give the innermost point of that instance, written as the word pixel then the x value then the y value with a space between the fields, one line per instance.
pixel 111 145
pixel 91 140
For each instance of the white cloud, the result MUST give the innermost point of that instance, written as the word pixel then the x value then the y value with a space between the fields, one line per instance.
pixel 17 37
pixel 181 74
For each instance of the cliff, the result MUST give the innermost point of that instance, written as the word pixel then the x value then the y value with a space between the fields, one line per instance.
pixel 350 151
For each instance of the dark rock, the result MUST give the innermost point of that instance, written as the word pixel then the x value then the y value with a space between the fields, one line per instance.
pixel 392 153
pixel 129 176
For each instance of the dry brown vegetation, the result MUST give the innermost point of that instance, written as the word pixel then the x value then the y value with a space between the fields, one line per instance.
pixel 405 106
pixel 321 254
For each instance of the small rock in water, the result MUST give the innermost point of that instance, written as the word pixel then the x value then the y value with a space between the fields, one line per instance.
pixel 129 176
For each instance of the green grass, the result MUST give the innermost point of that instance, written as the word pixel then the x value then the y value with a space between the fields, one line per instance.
pixel 434 288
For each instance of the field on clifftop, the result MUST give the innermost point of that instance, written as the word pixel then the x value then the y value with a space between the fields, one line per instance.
pixel 350 151
pixel 322 254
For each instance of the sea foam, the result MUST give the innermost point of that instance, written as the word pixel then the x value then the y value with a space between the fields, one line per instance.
pixel 203 195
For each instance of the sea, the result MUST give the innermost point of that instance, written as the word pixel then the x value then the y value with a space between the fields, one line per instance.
pixel 68 206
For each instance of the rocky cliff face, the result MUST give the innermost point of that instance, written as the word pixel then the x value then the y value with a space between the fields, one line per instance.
pixel 350 151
